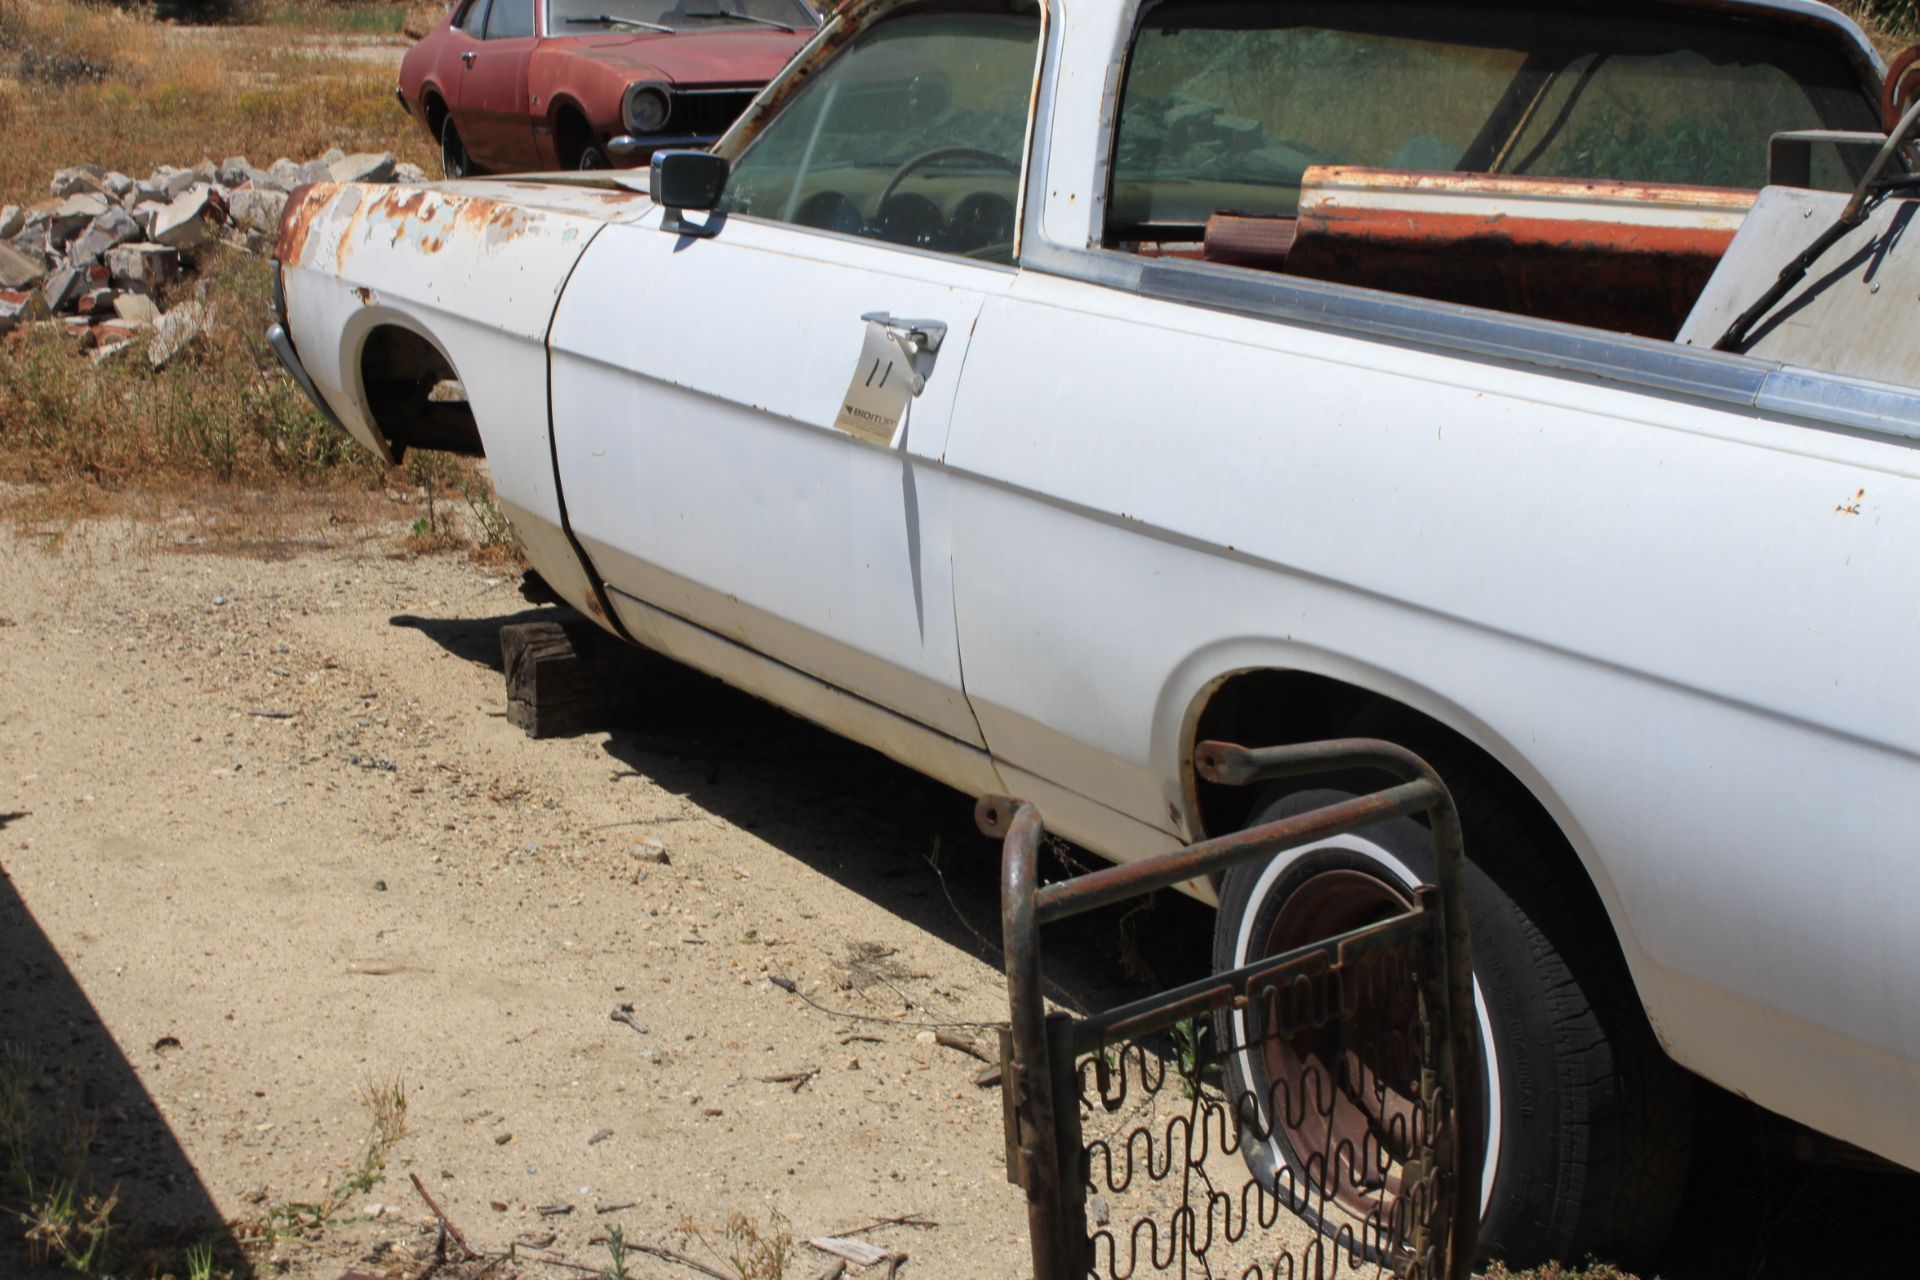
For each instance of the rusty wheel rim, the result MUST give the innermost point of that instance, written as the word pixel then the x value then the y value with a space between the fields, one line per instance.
pixel 1358 1079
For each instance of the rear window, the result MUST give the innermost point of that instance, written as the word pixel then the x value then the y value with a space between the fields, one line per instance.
pixel 1226 104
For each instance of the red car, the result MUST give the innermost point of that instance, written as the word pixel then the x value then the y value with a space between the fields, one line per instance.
pixel 514 86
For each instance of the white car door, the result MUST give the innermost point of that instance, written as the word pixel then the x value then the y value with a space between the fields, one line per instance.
pixel 697 381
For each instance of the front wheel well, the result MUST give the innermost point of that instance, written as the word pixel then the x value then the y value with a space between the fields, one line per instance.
pixel 413 395
pixel 573 133
pixel 1267 708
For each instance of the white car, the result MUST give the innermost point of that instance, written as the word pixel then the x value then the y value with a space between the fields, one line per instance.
pixel 1032 390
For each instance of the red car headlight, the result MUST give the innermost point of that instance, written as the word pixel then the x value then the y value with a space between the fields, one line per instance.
pixel 645 108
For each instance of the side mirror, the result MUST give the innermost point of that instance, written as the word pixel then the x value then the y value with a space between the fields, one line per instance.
pixel 687 179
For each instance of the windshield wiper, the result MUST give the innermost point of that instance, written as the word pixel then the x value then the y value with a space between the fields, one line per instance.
pixel 739 17
pixel 608 20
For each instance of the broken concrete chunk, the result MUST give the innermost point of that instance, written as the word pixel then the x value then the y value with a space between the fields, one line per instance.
pixel 290 175
pixel 96 302
pixel 33 243
pixel 82 179
pixel 257 210
pixel 332 155
pixel 20 306
pixel 116 331
pixel 178 330
pixel 136 309
pixel 362 167
pixel 172 183
pixel 409 173
pixel 19 270
pixel 13 220
pixel 235 170
pixel 114 227
pixel 63 287
pixel 151 265
pixel 182 224
pixel 73 216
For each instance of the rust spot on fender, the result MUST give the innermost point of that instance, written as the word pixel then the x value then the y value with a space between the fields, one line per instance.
pixel 306 202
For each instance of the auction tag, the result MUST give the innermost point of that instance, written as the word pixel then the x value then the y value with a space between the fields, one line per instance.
pixel 882 385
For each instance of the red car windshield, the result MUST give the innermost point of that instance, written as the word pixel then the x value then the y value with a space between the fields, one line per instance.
pixel 574 17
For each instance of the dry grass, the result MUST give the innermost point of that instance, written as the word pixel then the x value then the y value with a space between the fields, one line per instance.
pixel 1893 24
pixel 91 82
pixel 1559 1271
pixel 222 432
pixel 82 81
pixel 224 413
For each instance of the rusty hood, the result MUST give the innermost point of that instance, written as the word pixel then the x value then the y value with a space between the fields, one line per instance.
pixel 725 57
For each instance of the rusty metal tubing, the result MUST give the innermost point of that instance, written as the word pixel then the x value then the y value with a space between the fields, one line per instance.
pixel 1236 766
pixel 1116 884
pixel 1028 1073
pixel 1025 907
pixel 1204 995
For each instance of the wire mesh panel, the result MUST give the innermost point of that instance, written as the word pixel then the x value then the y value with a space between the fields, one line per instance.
pixel 1296 1118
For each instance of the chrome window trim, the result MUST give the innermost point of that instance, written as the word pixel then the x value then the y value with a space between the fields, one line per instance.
pixel 1742 382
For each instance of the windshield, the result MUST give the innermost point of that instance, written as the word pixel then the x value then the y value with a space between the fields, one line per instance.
pixel 584 17
pixel 1226 104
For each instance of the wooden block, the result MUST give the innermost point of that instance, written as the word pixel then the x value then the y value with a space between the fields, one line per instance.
pixel 566 676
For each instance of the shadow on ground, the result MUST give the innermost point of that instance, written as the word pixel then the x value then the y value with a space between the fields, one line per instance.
pixel 80 1105
pixel 1753 1209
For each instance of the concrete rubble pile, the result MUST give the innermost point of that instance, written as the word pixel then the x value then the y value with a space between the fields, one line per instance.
pixel 97 257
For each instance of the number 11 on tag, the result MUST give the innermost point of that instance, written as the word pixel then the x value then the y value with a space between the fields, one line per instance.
pixel 877 396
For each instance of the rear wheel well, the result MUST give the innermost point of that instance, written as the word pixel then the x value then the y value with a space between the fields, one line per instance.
pixel 1595 1121
pixel 436 113
pixel 572 135
pixel 1266 708
pixel 414 396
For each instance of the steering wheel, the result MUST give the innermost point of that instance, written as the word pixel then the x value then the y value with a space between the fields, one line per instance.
pixel 926 158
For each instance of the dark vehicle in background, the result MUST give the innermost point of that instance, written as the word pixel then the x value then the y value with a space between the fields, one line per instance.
pixel 515 86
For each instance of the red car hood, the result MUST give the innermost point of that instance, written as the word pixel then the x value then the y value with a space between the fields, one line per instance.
pixel 730 56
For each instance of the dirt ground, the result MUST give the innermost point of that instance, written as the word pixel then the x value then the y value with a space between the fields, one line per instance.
pixel 267 840
pixel 265 822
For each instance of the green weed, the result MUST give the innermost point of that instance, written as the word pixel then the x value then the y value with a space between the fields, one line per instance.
pixel 386 1106
pixel 616 1268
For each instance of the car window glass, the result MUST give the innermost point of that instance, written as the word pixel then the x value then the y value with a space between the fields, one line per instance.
pixel 1226 104
pixel 510 18
pixel 913 135
pixel 473 18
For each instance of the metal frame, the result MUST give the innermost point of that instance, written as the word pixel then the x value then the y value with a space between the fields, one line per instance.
pixel 1040 1052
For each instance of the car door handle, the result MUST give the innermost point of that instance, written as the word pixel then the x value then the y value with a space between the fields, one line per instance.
pixel 468 57
pixel 925 335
